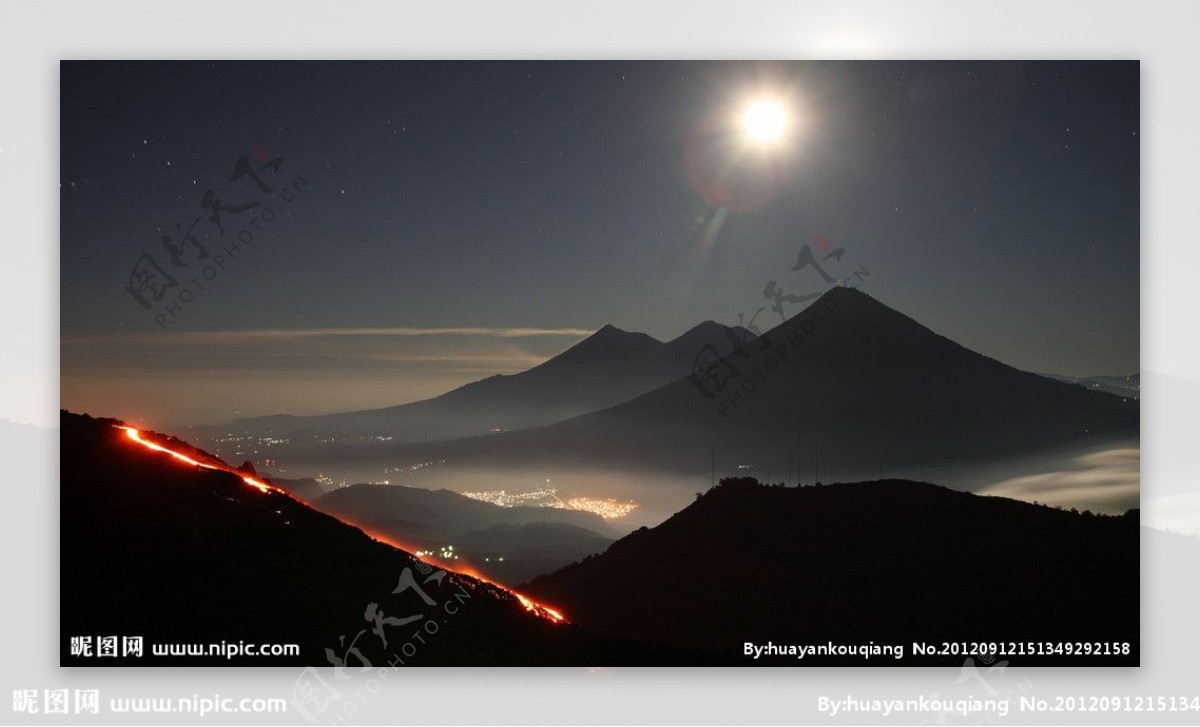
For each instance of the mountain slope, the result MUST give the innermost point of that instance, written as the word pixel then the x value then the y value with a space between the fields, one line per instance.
pixel 887 561
pixel 607 368
pixel 158 548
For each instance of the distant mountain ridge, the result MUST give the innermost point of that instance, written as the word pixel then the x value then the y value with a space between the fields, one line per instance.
pixel 848 382
pixel 604 369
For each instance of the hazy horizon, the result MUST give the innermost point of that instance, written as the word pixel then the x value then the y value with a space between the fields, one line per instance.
pixel 508 358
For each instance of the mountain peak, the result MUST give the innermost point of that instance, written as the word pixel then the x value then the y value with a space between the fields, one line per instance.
pixel 703 328
pixel 847 292
pixel 865 309
pixel 609 341
pixel 710 332
pixel 609 330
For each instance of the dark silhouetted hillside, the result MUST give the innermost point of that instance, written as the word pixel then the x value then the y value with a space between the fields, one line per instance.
pixel 157 548
pixel 889 561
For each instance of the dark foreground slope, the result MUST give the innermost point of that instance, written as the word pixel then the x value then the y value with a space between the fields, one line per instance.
pixel 158 548
pixel 890 562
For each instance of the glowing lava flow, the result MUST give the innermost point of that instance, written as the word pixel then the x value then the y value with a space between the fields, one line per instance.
pixel 530 605
pixel 136 436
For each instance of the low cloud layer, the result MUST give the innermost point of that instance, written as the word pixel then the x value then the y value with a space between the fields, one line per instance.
pixel 1108 481
pixel 185 377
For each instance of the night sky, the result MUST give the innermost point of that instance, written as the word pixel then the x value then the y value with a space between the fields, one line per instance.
pixel 463 219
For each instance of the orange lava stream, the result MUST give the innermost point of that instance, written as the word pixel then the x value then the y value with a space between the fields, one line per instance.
pixel 530 605
pixel 136 436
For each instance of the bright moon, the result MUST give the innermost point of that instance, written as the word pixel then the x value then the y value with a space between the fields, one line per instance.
pixel 764 122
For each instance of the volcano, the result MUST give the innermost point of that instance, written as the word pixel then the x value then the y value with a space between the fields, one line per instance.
pixel 848 383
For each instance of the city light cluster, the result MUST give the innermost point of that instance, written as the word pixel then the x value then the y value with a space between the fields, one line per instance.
pixel 444 552
pixel 413 467
pixel 608 508
pixel 544 497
